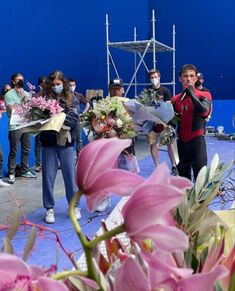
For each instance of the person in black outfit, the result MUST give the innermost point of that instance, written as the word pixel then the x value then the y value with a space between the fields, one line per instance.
pixel 193 107
pixel 156 93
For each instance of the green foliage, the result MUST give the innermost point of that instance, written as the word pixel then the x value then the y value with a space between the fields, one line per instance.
pixel 194 215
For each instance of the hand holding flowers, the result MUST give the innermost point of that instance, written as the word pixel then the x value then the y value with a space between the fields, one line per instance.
pixel 109 119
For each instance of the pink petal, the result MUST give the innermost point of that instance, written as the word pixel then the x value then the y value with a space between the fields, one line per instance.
pixel 89 282
pixel 159 175
pixel 181 182
pixel 47 284
pixel 147 204
pixel 203 281
pixel 98 156
pixel 167 238
pixel 36 272
pixel 130 277
pixel 117 181
pixel 10 267
pixel 161 271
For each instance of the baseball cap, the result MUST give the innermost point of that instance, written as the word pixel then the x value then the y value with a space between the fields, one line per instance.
pixel 116 82
pixel 200 75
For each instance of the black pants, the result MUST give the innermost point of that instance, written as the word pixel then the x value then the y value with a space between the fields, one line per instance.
pixel 192 156
pixel 16 137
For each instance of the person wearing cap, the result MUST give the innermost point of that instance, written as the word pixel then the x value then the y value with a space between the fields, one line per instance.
pixel 157 92
pixel 199 82
pixel 127 159
pixel 116 87
pixel 193 107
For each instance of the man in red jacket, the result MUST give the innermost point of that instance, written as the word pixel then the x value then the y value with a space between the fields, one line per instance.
pixel 193 107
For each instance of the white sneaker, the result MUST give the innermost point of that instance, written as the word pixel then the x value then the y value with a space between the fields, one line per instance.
pixel 103 205
pixel 77 213
pixel 11 179
pixel 4 184
pixel 50 217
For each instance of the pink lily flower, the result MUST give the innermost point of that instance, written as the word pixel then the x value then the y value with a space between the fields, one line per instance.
pixel 130 276
pixel 144 213
pixel 197 282
pixel 97 174
pixel 16 275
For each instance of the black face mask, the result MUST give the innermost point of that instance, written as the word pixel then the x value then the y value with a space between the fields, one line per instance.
pixel 20 84
pixel 198 83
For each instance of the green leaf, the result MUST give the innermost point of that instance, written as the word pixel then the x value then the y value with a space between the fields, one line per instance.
pixel 232 283
pixel 14 224
pixel 217 287
pixel 7 246
pixel 213 165
pixel 30 243
pixel 200 181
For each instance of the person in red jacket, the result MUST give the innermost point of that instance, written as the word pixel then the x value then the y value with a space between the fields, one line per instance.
pixel 193 107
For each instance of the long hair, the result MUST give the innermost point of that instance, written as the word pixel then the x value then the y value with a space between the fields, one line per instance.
pixel 58 75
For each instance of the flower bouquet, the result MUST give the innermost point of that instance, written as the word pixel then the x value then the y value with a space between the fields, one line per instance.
pixel 38 111
pixel 109 119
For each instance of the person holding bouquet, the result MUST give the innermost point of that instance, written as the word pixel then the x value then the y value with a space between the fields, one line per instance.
pixel 13 99
pixel 150 96
pixel 127 159
pixel 58 147
pixel 193 107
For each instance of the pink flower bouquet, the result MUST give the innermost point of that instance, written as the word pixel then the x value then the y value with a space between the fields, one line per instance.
pixel 39 108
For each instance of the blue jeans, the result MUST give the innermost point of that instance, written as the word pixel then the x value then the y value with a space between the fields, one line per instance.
pixel 50 161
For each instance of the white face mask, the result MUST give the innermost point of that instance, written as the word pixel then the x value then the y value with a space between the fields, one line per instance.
pixel 58 88
pixel 72 88
pixel 154 82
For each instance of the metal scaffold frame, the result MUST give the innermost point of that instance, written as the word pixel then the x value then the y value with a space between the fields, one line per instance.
pixel 140 48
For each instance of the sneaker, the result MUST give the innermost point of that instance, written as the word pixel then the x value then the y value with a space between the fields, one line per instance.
pixel 77 213
pixel 174 171
pixel 103 205
pixel 38 168
pixel 11 179
pixel 50 217
pixel 28 175
pixel 4 184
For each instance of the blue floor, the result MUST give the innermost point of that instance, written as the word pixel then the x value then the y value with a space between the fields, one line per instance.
pixel 47 252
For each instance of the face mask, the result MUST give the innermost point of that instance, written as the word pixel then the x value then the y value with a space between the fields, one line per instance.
pixel 58 89
pixel 198 83
pixel 20 84
pixel 72 88
pixel 154 82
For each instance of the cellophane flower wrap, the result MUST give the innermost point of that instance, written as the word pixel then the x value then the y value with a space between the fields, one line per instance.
pixel 38 108
pixel 109 119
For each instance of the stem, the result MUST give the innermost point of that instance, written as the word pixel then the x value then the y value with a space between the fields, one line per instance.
pixel 106 235
pixel 87 249
pixel 65 274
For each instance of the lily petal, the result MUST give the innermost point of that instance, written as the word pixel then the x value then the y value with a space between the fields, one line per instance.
pixel 203 281
pixel 47 284
pixel 137 282
pixel 13 266
pixel 97 157
pixel 116 181
pixel 147 204
pixel 163 236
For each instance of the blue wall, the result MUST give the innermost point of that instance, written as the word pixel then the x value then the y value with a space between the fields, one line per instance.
pixel 205 36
